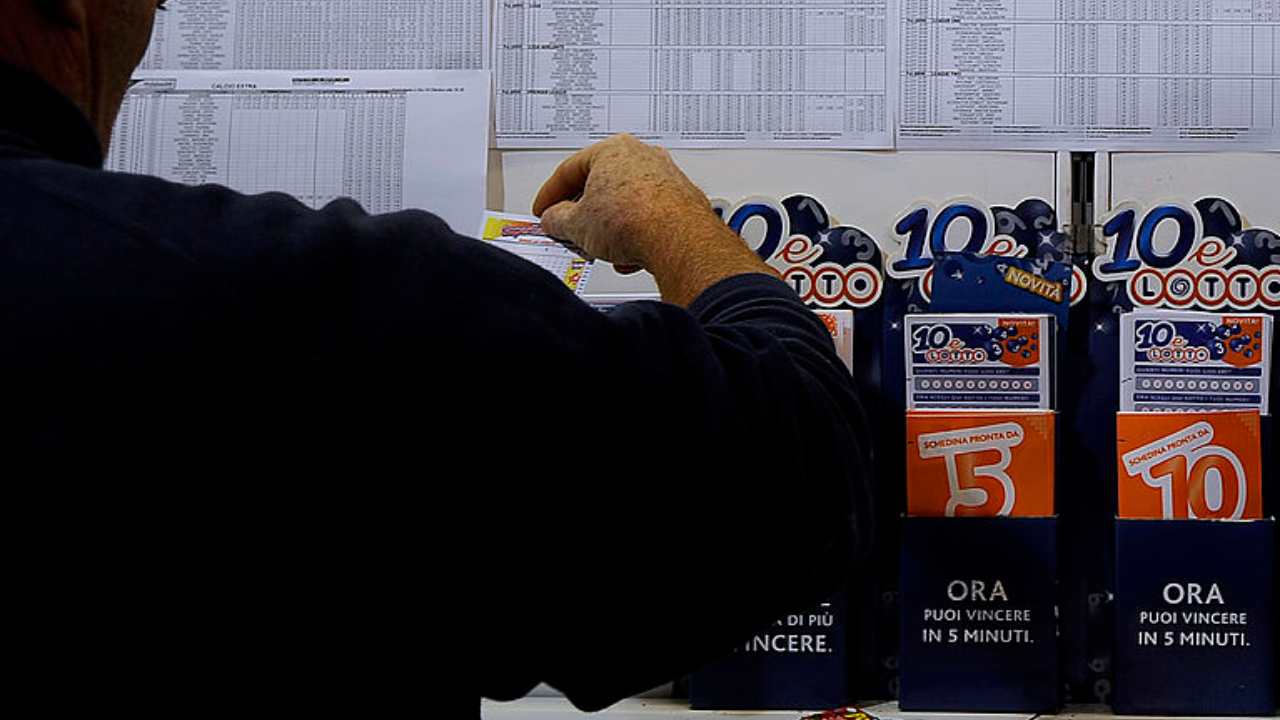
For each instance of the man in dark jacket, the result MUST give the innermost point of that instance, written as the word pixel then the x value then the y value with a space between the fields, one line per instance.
pixel 263 456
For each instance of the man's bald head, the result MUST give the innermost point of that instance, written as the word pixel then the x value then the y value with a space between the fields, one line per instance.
pixel 87 49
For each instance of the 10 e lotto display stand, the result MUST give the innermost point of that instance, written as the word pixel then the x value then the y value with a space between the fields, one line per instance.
pixel 800 236
pixel 979 545
pixel 970 356
pixel 1185 286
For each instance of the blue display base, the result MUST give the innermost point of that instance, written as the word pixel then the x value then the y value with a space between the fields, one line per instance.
pixel 978 615
pixel 799 663
pixel 1195 617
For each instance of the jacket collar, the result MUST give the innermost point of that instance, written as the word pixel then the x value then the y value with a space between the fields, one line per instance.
pixel 36 119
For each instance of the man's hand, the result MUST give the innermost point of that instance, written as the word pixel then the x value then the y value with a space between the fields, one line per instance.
pixel 609 197
pixel 626 202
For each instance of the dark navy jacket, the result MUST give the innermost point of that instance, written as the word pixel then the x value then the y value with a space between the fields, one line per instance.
pixel 260 455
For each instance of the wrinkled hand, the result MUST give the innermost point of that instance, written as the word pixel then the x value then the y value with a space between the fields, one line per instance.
pixel 619 200
pixel 627 203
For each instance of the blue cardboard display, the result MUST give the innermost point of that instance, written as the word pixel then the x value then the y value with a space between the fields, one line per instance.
pixel 1195 617
pixel 978 614
pixel 969 283
pixel 798 663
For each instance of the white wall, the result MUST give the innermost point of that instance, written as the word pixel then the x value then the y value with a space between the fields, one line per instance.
pixel 1249 180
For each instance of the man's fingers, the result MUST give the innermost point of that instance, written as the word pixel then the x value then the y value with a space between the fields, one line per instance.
pixel 559 220
pixel 568 180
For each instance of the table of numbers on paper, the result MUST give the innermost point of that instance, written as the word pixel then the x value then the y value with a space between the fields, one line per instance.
pixel 311 34
pixel 1090 74
pixel 694 73
pixel 390 140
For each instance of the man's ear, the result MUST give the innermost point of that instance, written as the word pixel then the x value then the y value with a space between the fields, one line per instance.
pixel 65 13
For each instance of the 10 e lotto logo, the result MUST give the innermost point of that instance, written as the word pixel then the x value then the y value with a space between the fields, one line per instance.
pixel 923 233
pixel 1180 256
pixel 828 264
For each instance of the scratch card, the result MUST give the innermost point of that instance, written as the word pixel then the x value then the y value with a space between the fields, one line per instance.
pixel 979 361
pixel 1192 361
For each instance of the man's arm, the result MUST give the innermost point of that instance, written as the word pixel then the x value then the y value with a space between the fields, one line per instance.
pixel 728 482
pixel 739 492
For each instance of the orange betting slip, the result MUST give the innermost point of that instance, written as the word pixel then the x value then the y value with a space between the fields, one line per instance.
pixel 1205 465
pixel 980 463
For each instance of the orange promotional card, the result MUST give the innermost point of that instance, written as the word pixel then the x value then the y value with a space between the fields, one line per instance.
pixel 980 463
pixel 1190 465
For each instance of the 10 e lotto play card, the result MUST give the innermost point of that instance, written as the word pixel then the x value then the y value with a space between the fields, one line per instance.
pixel 980 463
pixel 840 324
pixel 1189 361
pixel 1190 465
pixel 979 361
pixel 522 235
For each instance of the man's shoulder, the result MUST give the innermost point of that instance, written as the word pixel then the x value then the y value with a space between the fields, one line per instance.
pixel 205 219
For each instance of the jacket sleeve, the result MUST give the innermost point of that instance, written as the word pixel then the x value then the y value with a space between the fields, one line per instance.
pixel 749 484
pixel 661 482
